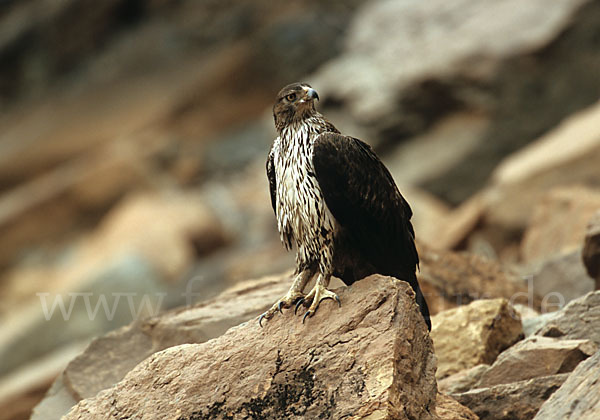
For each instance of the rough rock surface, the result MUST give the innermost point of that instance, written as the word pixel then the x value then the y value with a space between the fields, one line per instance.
pixel 591 249
pixel 110 357
pixel 372 358
pixel 515 401
pixel 579 397
pixel 473 334
pixel 574 321
pixel 535 357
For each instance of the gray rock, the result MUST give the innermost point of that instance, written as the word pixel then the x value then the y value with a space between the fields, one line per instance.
pixel 514 401
pixel 123 290
pixel 579 397
pixel 575 320
pixel 534 324
pixel 560 279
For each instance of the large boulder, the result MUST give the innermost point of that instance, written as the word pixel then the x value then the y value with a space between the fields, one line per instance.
pixel 371 358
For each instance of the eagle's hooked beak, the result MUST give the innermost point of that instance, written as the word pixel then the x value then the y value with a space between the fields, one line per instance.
pixel 311 94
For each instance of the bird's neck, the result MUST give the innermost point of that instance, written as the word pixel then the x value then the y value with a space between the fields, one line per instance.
pixel 303 131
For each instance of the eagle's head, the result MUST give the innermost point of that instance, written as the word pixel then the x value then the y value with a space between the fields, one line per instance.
pixel 294 102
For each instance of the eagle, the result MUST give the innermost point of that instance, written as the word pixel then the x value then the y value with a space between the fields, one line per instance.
pixel 336 202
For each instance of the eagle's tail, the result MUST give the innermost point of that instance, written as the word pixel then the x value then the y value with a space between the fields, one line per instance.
pixel 420 299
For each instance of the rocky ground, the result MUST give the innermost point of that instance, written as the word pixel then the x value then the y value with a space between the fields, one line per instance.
pixel 134 209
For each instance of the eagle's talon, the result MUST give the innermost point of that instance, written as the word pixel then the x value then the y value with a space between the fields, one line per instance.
pixel 308 313
pixel 260 319
pixel 298 304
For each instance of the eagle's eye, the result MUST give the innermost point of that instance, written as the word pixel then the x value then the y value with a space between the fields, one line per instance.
pixel 290 97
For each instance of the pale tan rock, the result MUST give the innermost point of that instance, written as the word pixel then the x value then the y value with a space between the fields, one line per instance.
pixel 578 397
pixel 462 381
pixel 559 222
pixel 534 357
pixel 473 334
pixel 515 401
pixel 372 358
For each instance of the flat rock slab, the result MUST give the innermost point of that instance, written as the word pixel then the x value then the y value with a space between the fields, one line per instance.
pixel 579 397
pixel 516 401
pixel 371 358
pixel 474 334
pixel 537 356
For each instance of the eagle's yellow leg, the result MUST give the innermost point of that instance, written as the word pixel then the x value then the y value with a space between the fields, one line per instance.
pixel 318 293
pixel 292 296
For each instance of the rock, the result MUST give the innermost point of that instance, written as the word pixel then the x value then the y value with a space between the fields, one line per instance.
pixel 448 408
pixel 591 249
pixel 473 334
pixel 524 178
pixel 514 401
pixel 462 381
pixel 559 222
pixel 109 358
pixel 552 243
pixel 535 357
pixel 578 397
pixel 532 325
pixel 462 66
pixel 127 266
pixel 450 279
pixel 574 320
pixel 125 288
pixel 560 279
pixel 25 387
pixel 370 359
pixel 429 214
pixel 56 402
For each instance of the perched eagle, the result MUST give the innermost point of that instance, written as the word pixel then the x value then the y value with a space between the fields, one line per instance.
pixel 337 203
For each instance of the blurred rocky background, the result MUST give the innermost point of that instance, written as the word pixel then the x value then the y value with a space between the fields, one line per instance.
pixel 133 136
